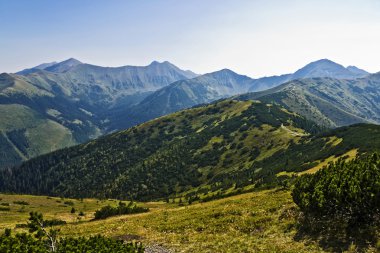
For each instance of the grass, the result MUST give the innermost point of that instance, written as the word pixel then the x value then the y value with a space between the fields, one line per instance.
pixel 51 207
pixel 252 222
pixel 59 137
pixel 263 221
pixel 16 116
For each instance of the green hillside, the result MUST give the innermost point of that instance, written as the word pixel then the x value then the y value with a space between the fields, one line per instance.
pixel 196 151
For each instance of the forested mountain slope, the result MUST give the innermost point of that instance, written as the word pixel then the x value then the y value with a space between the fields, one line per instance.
pixel 217 145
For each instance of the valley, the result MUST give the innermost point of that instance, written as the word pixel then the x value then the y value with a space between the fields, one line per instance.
pixel 189 126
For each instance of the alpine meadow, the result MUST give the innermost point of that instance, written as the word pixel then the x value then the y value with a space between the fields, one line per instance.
pixel 189 126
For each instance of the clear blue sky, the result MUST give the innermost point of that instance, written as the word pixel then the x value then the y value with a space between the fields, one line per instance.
pixel 252 37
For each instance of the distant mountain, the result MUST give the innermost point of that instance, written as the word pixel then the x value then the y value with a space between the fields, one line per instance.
pixel 327 68
pixel 183 94
pixel 320 68
pixel 75 101
pixel 111 87
pixel 328 101
pixel 70 102
pixel 265 83
pixel 221 84
pixel 224 145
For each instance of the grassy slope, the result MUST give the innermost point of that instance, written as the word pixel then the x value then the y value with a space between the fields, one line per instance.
pixel 246 223
pixel 27 134
pixel 51 207
pixel 263 221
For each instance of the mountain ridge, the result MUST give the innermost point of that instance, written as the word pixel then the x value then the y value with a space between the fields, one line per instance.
pixel 74 103
pixel 84 101
pixel 329 101
pixel 221 84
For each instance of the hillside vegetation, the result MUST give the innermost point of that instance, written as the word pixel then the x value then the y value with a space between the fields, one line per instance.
pixel 340 203
pixel 193 153
pixel 350 189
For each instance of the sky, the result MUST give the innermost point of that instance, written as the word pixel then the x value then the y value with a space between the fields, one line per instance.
pixel 252 37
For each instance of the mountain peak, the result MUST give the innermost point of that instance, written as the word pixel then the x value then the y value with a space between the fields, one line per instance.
pixel 227 73
pixel 71 61
pixel 323 63
pixel 323 68
pixel 325 60
pixel 359 72
pixel 164 63
pixel 224 71
pixel 63 66
pixel 154 63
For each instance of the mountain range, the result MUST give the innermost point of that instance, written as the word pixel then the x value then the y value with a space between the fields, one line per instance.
pixel 330 102
pixel 56 105
pixel 225 83
pixel 67 103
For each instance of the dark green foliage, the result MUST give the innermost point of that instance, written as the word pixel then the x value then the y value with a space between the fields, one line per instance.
pixel 54 222
pixel 41 239
pixel 21 243
pixel 98 244
pixel 349 189
pixel 23 203
pixel 25 243
pixel 121 209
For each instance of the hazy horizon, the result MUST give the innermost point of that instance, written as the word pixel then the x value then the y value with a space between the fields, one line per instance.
pixel 254 38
